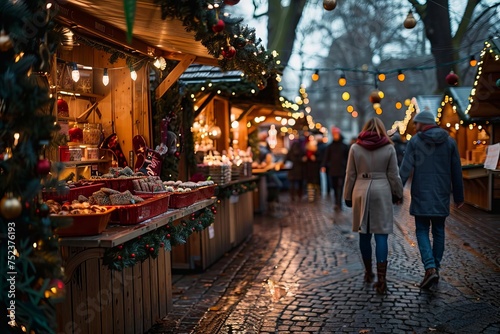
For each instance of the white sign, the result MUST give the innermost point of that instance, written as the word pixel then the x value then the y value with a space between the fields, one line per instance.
pixel 492 155
pixel 211 232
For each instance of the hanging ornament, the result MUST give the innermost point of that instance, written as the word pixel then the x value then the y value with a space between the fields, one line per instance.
pixel 329 4
pixel 410 22
pixel 375 96
pixel 5 42
pixel 231 2
pixel 229 52
pixel 42 166
pixel 452 79
pixel 239 42
pixel 10 207
pixel 219 26
pixel 498 83
pixel 62 108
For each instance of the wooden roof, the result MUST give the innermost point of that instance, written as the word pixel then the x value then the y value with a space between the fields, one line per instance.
pixel 485 94
pixel 152 35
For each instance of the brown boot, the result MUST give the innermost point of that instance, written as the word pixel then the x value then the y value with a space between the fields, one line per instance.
pixel 381 285
pixel 369 275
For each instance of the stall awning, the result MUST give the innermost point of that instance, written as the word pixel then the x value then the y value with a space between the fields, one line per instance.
pixel 106 20
pixel 485 95
pixel 429 103
pixel 459 98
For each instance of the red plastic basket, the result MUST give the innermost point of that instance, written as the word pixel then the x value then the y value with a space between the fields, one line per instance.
pixel 84 189
pixel 206 192
pixel 85 224
pixel 120 183
pixel 181 200
pixel 135 213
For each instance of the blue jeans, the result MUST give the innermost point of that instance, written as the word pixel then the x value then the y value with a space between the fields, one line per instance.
pixel 381 248
pixel 431 255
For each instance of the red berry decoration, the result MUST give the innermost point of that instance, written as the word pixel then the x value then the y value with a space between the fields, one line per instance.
pixel 119 257
pixel 219 26
pixel 43 167
pixel 168 236
pixel 452 79
pixel 132 255
pixel 177 154
pixel 231 2
pixel 193 229
pixel 151 249
pixel 229 52
pixel 147 246
pixel 120 247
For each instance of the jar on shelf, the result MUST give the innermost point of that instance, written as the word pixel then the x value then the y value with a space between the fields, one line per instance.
pixel 91 133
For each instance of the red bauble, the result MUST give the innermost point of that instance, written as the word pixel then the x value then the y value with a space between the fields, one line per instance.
pixel 168 236
pixel 132 255
pixel 119 257
pixel 151 249
pixel 231 2
pixel 120 247
pixel 177 154
pixel 43 167
pixel 219 26
pixel 62 108
pixel 229 52
pixel 147 246
pixel 452 79
pixel 375 96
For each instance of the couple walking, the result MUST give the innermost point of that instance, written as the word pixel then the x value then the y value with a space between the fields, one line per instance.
pixel 374 183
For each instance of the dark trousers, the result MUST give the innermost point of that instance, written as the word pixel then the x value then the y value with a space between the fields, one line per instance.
pixel 337 183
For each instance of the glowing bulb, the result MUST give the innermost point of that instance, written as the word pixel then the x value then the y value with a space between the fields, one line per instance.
pixel 342 80
pixel 105 77
pixel 381 77
pixel 133 75
pixel 315 76
pixel 473 61
pixel 346 96
pixel 401 76
pixel 75 74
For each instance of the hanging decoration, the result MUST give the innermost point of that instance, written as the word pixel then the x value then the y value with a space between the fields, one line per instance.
pixel 129 7
pixel 329 4
pixel 376 96
pixel 452 79
pixel 10 206
pixel 410 22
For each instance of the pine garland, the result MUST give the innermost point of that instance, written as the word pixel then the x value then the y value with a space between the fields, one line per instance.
pixel 225 192
pixel 150 244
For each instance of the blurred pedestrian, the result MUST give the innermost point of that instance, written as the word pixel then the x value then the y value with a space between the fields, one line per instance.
pixel 399 145
pixel 433 157
pixel 372 186
pixel 295 175
pixel 322 146
pixel 335 162
pixel 312 169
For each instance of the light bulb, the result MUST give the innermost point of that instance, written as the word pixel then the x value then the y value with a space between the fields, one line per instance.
pixel 105 77
pixel 75 74
pixel 473 61
pixel 401 76
pixel 342 80
pixel 381 77
pixel 315 76
pixel 133 75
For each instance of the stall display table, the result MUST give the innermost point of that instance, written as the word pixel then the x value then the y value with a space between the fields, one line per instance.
pixel 100 300
pixel 477 186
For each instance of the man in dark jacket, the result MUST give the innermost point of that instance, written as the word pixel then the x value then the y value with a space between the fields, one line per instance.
pixel 335 162
pixel 433 156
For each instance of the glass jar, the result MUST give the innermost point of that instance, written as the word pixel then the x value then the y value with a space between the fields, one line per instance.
pixel 91 133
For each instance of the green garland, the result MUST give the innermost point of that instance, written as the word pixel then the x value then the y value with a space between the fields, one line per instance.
pixel 150 244
pixel 251 58
pixel 225 192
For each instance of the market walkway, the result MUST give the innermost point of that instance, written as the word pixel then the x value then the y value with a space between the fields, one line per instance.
pixel 303 274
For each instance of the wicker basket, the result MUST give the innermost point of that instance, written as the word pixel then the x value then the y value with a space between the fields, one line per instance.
pixel 135 213
pixel 85 224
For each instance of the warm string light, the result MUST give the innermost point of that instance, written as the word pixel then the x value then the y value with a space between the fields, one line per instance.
pixel 472 61
pixel 315 76
pixel 75 73
pixel 105 77
pixel 401 76
pixel 342 80
pixel 133 74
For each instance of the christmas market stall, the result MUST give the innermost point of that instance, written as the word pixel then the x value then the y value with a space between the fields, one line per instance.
pixel 483 111
pixel 104 181
pixel 415 105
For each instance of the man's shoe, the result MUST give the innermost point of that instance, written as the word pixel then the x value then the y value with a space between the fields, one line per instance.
pixel 430 278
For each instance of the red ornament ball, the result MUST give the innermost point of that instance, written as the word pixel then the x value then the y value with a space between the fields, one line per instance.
pixel 132 255
pixel 219 26
pixel 62 108
pixel 43 167
pixel 151 249
pixel 231 2
pixel 120 247
pixel 147 246
pixel 229 52
pixel 177 154
pixel 452 79
pixel 168 236
pixel 162 244
pixel 119 257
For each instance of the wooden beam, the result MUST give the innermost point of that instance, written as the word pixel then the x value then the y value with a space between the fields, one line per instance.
pixel 246 112
pixel 204 104
pixel 174 75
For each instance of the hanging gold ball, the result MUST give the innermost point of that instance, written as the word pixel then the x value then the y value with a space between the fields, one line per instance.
pixel 5 42
pixel 10 207
pixel 410 21
pixel 329 4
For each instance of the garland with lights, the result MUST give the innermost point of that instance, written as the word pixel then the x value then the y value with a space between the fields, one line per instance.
pixel 31 279
pixel 225 192
pixel 223 36
pixel 150 244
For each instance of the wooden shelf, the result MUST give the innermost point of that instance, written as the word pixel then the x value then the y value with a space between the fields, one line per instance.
pixel 116 235
pixel 80 94
pixel 86 162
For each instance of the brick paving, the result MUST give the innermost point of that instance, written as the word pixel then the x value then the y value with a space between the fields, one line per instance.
pixel 302 273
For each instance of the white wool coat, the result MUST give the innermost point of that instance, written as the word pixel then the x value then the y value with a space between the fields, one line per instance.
pixel 372 179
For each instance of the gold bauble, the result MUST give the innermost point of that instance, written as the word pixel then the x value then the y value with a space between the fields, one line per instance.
pixel 410 21
pixel 10 207
pixel 5 42
pixel 329 4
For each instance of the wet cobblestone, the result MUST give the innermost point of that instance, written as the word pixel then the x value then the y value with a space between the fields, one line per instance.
pixel 303 274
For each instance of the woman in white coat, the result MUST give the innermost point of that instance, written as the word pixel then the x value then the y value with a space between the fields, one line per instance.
pixel 372 186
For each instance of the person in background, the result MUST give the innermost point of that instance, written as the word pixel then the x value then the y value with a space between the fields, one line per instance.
pixel 399 145
pixel 372 186
pixel 335 162
pixel 322 145
pixel 295 175
pixel 433 157
pixel 312 168
pixel 267 162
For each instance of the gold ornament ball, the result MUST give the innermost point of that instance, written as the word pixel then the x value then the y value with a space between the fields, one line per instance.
pixel 5 42
pixel 329 4
pixel 10 207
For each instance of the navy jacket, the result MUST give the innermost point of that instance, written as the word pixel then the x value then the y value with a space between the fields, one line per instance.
pixel 437 172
